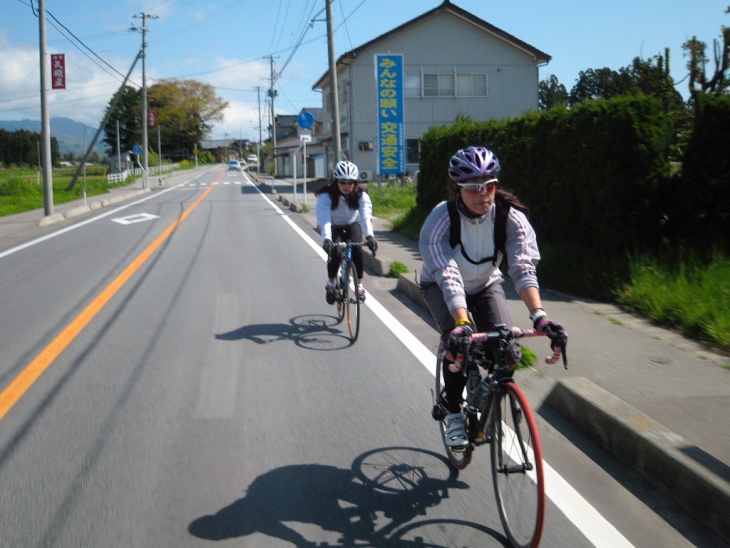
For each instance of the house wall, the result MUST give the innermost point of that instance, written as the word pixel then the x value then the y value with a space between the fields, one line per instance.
pixel 440 44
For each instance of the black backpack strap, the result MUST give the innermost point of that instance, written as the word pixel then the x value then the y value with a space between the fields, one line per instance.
pixel 454 224
pixel 502 208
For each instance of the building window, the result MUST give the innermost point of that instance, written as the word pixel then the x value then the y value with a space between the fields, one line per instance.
pixel 471 85
pixel 438 85
pixel 445 85
pixel 412 85
pixel 412 151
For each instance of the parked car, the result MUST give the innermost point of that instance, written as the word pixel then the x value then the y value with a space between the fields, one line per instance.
pixel 252 159
pixel 234 165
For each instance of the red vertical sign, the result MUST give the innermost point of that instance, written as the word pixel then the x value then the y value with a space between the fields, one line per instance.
pixel 58 71
pixel 151 118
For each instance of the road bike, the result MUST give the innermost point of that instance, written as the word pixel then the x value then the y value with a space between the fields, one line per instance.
pixel 498 414
pixel 346 296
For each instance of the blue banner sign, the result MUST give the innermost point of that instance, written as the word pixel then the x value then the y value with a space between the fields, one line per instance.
pixel 391 117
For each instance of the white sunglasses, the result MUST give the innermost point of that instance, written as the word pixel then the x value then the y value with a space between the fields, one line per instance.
pixel 477 187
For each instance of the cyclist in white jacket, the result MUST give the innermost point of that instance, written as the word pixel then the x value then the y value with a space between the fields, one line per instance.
pixel 344 212
pixel 461 275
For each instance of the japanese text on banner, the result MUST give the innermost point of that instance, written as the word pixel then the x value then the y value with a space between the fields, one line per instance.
pixel 58 71
pixel 391 116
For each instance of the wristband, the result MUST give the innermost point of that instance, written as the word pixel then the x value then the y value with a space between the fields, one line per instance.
pixel 462 321
pixel 538 315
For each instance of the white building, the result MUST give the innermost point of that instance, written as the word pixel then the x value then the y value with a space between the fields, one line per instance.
pixel 454 63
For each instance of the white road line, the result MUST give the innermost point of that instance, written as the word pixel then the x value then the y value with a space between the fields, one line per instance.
pixel 87 221
pixel 597 529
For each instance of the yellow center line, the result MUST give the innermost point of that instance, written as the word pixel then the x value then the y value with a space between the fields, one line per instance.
pixel 20 385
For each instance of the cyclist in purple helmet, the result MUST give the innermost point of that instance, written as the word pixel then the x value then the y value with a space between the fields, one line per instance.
pixel 462 243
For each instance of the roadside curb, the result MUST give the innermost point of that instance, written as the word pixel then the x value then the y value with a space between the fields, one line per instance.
pixel 647 447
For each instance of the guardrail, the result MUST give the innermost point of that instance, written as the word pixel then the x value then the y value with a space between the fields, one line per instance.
pixel 119 177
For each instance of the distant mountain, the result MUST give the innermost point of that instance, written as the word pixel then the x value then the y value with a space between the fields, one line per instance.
pixel 69 134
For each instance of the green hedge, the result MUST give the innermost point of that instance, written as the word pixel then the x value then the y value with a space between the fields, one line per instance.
pixel 592 176
pixel 699 204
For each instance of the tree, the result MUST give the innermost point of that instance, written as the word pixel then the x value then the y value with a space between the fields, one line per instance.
pixel 551 93
pixel 650 77
pixel 699 82
pixel 185 112
pixel 127 112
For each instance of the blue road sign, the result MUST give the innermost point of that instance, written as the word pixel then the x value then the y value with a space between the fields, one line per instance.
pixel 305 119
pixel 137 149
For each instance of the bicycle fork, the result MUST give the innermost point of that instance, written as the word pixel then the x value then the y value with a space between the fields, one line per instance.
pixel 501 432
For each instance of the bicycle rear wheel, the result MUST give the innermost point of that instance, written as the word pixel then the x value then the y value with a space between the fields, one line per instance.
pixel 458 459
pixel 352 302
pixel 517 468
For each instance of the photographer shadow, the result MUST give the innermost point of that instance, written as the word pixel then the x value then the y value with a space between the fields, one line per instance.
pixel 334 499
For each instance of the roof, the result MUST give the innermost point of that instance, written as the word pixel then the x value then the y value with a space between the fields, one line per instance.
pixel 540 56
pixel 286 120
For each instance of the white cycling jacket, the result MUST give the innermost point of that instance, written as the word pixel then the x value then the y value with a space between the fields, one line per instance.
pixel 455 275
pixel 342 215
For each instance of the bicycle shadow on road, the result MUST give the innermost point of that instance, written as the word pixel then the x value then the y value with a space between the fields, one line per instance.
pixel 385 489
pixel 314 332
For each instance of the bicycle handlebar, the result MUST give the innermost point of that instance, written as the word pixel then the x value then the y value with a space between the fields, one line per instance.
pixel 511 333
pixel 345 245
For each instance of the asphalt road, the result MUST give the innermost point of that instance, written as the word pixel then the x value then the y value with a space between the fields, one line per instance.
pixel 171 375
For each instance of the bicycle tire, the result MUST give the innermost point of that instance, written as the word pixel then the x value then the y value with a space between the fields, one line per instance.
pixel 460 459
pixel 352 303
pixel 341 294
pixel 517 467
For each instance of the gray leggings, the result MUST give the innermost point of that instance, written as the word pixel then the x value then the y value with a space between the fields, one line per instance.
pixel 487 308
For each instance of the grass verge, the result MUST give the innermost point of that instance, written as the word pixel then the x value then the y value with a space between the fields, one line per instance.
pixel 692 298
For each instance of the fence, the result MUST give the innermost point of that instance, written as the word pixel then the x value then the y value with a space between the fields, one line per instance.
pixel 119 177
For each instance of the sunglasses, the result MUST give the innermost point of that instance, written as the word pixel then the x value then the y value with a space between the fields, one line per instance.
pixel 344 182
pixel 473 188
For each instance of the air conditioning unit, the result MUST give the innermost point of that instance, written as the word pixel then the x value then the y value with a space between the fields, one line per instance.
pixel 366 175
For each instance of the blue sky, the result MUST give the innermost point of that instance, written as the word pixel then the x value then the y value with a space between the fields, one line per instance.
pixel 227 43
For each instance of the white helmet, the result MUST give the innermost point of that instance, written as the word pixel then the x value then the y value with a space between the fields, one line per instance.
pixel 346 170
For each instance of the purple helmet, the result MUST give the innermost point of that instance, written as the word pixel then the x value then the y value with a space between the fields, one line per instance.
pixel 472 162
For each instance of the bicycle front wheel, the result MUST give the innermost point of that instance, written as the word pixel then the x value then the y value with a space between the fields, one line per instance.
pixel 352 303
pixel 517 468
pixel 341 293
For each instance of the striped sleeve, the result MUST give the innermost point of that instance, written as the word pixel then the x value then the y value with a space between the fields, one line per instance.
pixel 438 257
pixel 522 250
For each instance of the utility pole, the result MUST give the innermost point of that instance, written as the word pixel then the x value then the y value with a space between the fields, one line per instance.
pixel 335 100
pixel 144 17
pixel 272 95
pixel 258 149
pixel 45 118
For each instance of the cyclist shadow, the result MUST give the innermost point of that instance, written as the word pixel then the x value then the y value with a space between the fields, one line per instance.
pixel 314 331
pixel 348 502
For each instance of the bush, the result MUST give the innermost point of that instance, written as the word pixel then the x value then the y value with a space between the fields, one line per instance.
pixel 396 269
